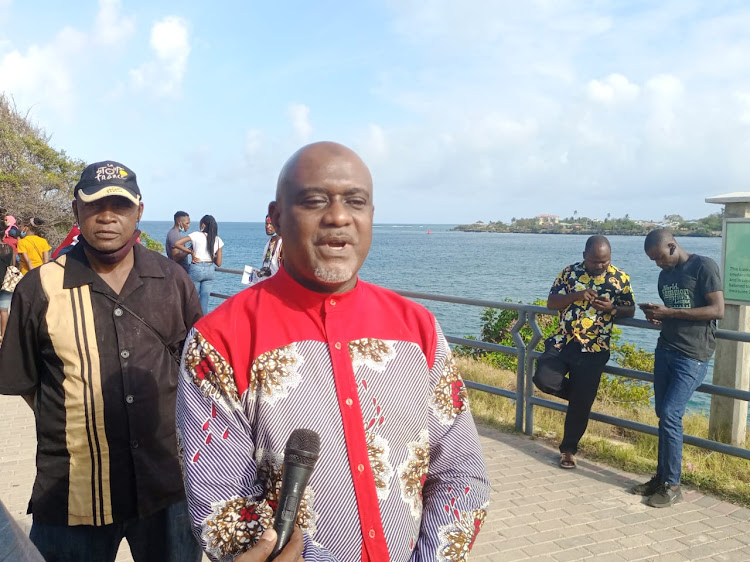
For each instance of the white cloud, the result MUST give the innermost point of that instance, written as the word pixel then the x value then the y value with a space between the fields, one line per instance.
pixel 300 115
pixel 253 142
pixel 743 99
pixel 170 43
pixel 614 89
pixel 111 27
pixel 43 75
pixel 5 8
pixel 375 143
pixel 47 76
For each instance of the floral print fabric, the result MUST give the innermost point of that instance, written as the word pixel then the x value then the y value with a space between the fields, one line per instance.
pixel 580 321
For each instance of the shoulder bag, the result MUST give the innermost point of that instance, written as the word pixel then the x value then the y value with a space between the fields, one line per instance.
pixel 11 279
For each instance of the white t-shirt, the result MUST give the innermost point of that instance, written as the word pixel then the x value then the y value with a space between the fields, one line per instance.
pixel 200 243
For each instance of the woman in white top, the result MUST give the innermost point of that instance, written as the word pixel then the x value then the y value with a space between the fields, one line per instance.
pixel 204 262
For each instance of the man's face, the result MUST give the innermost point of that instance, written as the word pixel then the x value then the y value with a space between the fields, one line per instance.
pixel 597 259
pixel 269 228
pixel 108 223
pixel 324 217
pixel 664 255
pixel 184 223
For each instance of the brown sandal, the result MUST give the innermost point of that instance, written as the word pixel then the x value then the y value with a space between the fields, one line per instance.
pixel 567 460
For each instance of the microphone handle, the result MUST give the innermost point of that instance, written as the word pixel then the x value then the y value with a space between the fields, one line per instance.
pixel 293 483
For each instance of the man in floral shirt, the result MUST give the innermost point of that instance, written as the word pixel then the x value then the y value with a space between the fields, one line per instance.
pixel 401 475
pixel 589 295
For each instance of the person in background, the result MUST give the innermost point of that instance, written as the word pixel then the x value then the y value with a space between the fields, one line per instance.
pixel 181 226
pixel 272 253
pixel 690 286
pixel 6 260
pixel 32 249
pixel 401 475
pixel 589 295
pixel 11 234
pixel 206 254
pixel 70 241
pixel 92 345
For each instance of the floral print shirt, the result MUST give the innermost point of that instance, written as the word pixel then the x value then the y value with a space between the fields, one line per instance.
pixel 580 321
pixel 401 475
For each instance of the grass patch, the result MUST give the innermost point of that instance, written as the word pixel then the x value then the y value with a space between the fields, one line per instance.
pixel 714 473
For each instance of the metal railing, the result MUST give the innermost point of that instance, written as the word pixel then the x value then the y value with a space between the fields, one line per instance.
pixel 527 354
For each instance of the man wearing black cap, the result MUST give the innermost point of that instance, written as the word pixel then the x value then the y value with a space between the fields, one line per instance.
pixel 93 346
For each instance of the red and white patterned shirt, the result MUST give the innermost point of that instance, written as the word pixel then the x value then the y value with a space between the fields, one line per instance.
pixel 401 474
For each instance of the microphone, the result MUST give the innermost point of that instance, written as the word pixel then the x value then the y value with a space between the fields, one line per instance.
pixel 301 452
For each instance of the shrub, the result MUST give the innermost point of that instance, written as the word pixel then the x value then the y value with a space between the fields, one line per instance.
pixel 151 244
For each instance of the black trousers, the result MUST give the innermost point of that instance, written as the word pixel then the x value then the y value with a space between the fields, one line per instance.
pixel 579 388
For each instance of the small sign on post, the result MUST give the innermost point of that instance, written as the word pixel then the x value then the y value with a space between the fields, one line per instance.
pixel 736 261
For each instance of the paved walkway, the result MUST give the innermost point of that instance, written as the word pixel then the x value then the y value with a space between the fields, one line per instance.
pixel 538 511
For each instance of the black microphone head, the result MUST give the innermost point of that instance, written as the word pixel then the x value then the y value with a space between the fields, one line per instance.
pixel 302 447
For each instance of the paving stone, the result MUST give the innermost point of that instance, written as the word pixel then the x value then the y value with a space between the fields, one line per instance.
pixel 638 553
pixel 574 554
pixel 733 556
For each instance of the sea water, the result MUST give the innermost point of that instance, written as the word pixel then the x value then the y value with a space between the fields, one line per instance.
pixel 431 258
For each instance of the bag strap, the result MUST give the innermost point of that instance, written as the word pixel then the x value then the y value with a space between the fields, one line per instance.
pixel 127 309
pixel 145 323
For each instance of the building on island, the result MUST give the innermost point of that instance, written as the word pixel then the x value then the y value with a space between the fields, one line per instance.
pixel 547 220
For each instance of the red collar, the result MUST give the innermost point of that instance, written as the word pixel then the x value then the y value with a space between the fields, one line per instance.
pixel 295 295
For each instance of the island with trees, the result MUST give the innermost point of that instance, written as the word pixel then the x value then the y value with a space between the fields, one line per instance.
pixel 552 224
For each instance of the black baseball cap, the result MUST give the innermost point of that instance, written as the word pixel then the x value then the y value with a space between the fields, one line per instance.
pixel 107 178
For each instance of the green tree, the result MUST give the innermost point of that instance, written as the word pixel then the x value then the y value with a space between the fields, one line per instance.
pixel 151 244
pixel 35 179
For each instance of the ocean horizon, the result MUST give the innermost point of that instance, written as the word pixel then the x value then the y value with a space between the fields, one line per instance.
pixel 520 267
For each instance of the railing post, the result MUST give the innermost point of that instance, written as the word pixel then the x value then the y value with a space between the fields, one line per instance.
pixel 728 419
pixel 521 367
pixel 536 337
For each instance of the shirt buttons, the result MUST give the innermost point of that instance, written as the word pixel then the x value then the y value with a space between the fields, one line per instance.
pixel 118 312
pixel 124 354
pixel 372 533
pixel 361 467
pixel 349 402
pixel 337 345
pixel 333 302
pixel 129 399
pixel 134 444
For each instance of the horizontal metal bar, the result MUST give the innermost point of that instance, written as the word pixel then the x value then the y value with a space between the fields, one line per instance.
pixel 219 295
pixel 534 309
pixel 478 344
pixel 491 389
pixel 709 444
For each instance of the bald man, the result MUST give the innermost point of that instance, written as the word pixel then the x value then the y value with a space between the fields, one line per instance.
pixel 589 295
pixel 401 474
pixel 690 286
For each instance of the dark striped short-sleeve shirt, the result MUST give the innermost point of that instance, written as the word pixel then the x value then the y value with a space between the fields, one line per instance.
pixel 104 383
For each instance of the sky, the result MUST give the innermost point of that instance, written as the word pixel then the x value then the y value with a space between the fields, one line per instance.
pixel 464 111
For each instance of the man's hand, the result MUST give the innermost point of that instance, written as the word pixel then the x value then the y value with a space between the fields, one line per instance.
pixel 586 295
pixel 603 304
pixel 259 553
pixel 655 313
